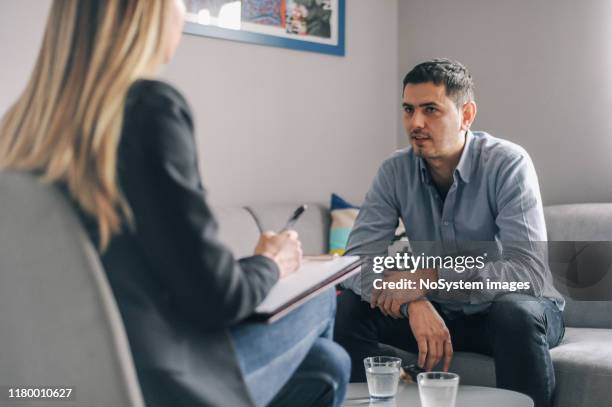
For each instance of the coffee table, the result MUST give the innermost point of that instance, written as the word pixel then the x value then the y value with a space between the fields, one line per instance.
pixel 467 396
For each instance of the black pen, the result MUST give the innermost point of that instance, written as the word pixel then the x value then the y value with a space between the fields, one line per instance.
pixel 296 215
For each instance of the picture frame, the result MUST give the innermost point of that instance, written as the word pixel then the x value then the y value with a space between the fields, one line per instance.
pixel 305 25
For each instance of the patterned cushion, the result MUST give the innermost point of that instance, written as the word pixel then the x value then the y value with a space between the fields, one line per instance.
pixel 343 216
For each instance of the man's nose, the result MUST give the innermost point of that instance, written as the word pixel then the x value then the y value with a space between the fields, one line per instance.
pixel 417 121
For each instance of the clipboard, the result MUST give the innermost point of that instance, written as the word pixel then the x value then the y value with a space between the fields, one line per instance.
pixel 313 277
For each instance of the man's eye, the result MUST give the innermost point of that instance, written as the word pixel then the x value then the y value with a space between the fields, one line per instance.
pixel 408 110
pixel 430 109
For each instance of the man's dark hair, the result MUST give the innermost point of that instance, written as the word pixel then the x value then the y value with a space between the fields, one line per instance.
pixel 441 71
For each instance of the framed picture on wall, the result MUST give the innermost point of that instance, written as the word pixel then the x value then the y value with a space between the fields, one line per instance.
pixel 307 25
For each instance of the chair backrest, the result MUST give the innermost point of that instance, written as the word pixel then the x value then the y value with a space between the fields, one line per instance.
pixel 59 323
pixel 580 257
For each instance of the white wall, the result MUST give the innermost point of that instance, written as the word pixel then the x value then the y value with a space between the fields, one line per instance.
pixel 21 29
pixel 543 72
pixel 273 125
pixel 282 125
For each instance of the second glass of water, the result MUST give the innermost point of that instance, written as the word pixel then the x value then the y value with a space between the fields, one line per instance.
pixel 382 373
pixel 438 389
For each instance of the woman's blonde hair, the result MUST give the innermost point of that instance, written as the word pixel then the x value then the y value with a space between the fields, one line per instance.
pixel 67 122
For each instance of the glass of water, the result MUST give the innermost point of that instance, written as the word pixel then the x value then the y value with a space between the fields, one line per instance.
pixel 382 373
pixel 438 389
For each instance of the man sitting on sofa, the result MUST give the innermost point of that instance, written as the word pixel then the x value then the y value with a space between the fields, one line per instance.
pixel 452 186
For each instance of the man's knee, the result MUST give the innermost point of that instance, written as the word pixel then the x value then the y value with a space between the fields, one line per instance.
pixel 518 315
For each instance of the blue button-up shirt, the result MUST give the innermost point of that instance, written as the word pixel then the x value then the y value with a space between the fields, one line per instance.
pixel 494 197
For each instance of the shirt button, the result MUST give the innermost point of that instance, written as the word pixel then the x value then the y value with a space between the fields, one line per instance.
pixel 446 223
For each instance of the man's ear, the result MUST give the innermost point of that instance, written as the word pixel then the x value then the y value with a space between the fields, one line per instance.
pixel 469 114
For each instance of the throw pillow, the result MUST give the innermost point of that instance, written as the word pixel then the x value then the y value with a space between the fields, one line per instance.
pixel 343 215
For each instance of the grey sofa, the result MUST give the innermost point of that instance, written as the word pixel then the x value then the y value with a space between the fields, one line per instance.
pixel 60 324
pixel 583 361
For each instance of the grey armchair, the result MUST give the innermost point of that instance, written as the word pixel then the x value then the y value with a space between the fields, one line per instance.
pixel 59 324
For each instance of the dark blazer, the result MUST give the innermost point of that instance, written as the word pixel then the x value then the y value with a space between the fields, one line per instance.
pixel 177 287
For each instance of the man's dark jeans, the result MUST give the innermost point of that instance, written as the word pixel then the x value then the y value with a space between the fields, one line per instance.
pixel 517 331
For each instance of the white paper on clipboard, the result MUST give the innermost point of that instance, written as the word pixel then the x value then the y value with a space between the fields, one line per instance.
pixel 311 275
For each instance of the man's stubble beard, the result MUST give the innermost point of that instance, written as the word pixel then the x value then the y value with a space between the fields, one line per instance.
pixel 419 152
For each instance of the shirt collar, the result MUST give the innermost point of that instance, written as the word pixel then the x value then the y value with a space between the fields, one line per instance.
pixel 464 167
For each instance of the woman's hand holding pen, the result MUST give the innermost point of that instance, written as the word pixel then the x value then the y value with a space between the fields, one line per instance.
pixel 284 248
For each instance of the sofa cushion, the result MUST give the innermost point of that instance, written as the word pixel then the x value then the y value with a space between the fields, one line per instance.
pixel 580 237
pixel 237 230
pixel 312 226
pixel 582 273
pixel 579 222
pixel 587 314
pixel 583 368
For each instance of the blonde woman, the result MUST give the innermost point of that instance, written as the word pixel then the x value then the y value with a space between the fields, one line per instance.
pixel 121 146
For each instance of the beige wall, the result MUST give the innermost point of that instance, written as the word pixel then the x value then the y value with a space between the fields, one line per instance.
pixel 273 124
pixel 543 72
pixel 282 125
pixel 21 28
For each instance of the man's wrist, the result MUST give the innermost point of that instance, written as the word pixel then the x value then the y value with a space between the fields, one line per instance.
pixel 416 303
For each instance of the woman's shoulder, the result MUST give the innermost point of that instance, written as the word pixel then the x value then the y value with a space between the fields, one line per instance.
pixel 155 94
pixel 153 103
pixel 157 117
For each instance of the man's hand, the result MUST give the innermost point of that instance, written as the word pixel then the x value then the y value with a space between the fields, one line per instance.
pixel 431 334
pixel 390 301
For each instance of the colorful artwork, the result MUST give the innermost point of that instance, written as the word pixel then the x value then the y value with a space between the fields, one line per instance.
pixel 309 25
pixel 267 12
pixel 309 17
